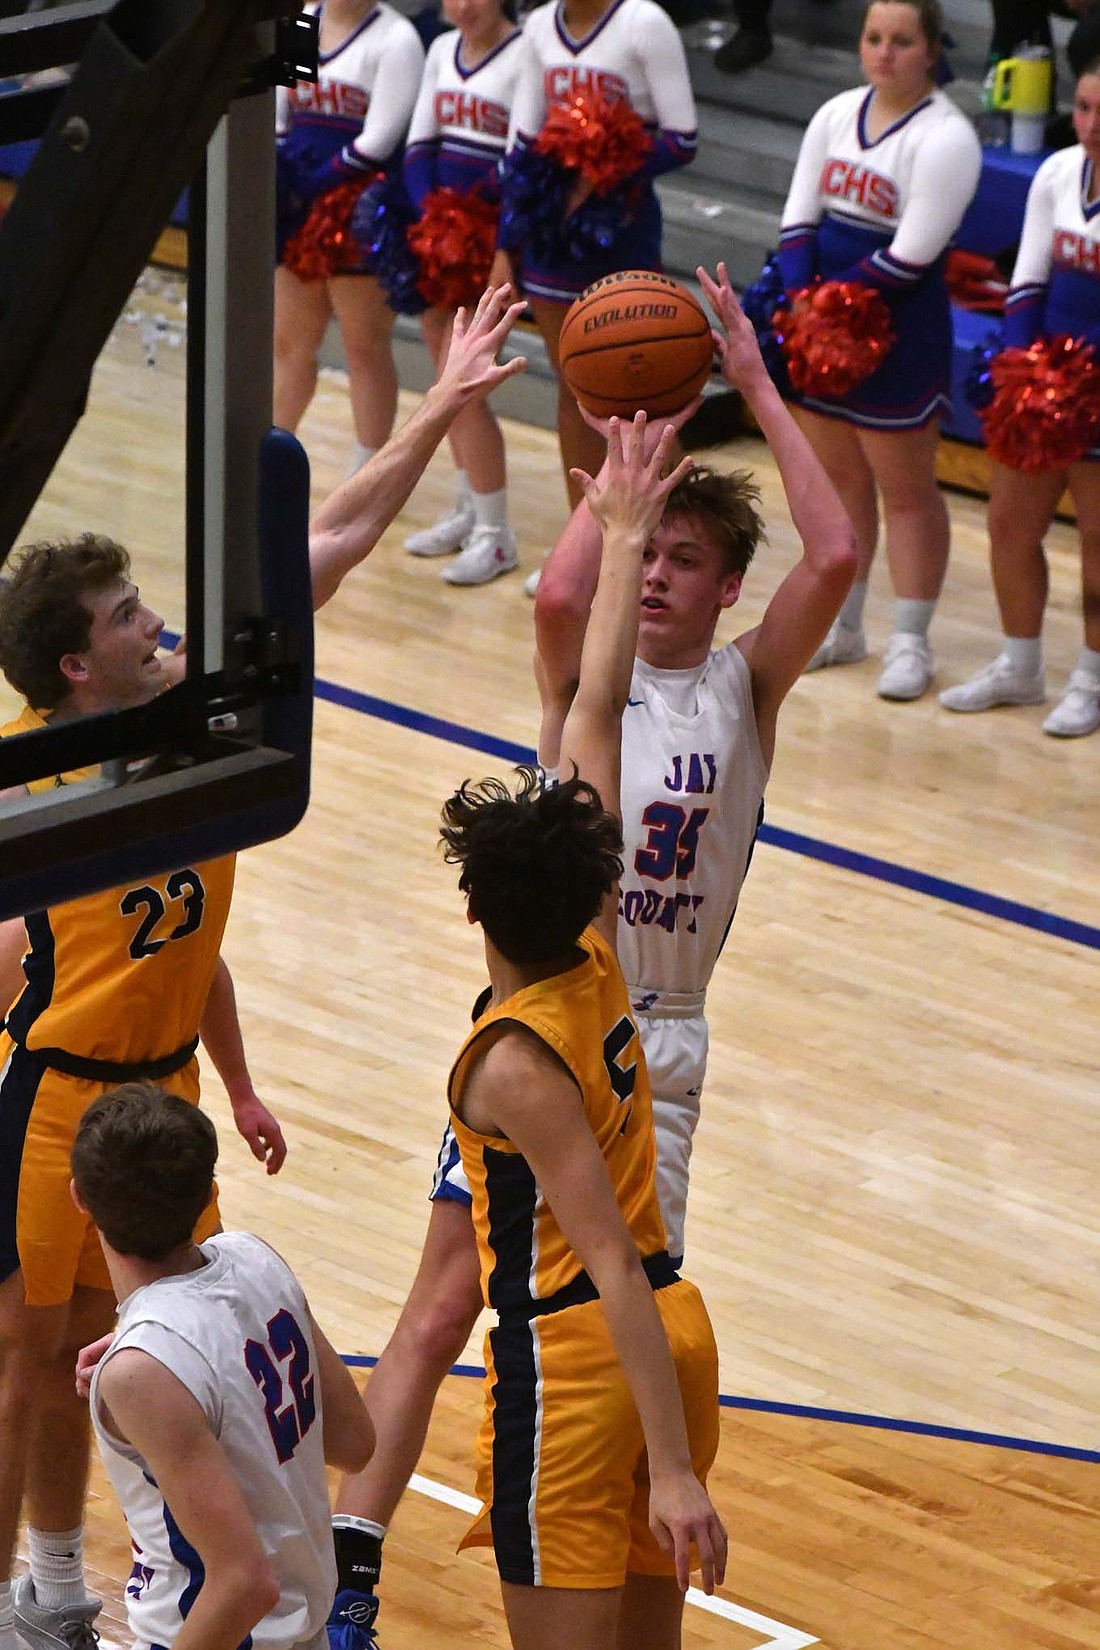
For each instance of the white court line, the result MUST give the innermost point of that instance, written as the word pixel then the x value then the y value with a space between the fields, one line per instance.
pixel 776 1634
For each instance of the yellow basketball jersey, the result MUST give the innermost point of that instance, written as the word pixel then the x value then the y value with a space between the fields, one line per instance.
pixel 584 1016
pixel 122 975
pixel 29 721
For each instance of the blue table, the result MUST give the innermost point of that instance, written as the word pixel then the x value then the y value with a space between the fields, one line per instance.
pixel 995 216
pixel 992 225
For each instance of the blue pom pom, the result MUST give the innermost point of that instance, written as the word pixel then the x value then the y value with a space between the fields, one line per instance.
pixel 379 225
pixel 978 379
pixel 594 227
pixel 532 211
pixel 766 294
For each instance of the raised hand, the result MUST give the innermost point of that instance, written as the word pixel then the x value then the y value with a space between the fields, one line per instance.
pixel 654 426
pixel 471 368
pixel 742 364
pixel 632 488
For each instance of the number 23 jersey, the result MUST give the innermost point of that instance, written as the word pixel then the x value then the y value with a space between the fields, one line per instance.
pixel 123 975
pixel 693 778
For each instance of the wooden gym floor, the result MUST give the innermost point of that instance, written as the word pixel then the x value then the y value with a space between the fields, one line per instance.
pixel 894 1214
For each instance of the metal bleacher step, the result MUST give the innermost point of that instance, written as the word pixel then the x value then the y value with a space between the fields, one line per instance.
pixel 791 85
pixel 701 228
pixel 740 147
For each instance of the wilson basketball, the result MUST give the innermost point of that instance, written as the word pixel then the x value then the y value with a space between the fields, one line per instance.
pixel 635 340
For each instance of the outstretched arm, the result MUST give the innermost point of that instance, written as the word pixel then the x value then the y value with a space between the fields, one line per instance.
pixel 353 518
pixel 564 600
pixel 626 504
pixel 806 603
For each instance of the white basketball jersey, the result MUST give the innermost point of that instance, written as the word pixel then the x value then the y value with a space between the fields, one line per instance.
pixel 367 87
pixel 237 1335
pixel 634 52
pixel 693 778
pixel 913 182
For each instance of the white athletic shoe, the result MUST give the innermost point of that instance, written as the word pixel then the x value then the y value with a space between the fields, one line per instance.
pixel 907 666
pixel 1078 710
pixel 487 552
pixel 69 1629
pixel 842 646
pixel 444 535
pixel 531 583
pixel 998 684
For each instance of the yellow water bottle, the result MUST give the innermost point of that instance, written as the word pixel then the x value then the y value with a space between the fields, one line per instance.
pixel 1022 85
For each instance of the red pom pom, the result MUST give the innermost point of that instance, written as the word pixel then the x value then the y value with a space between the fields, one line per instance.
pixel 325 246
pixel 1045 411
pixel 454 242
pixel 833 337
pixel 602 138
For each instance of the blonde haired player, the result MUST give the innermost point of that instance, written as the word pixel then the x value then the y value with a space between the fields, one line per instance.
pixel 601 1415
pixel 698 736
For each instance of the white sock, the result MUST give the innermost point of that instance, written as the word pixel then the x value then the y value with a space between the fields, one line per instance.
pixel 8 1640
pixel 851 614
pixel 1024 653
pixel 57 1567
pixel 1088 660
pixel 463 491
pixel 491 509
pixel 912 618
pixel 359 456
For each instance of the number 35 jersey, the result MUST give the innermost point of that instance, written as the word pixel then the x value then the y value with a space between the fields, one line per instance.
pixel 693 778
pixel 236 1334
pixel 122 975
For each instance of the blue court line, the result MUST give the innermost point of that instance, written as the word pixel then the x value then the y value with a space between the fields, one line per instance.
pixel 439 728
pixel 844 1417
pixel 795 842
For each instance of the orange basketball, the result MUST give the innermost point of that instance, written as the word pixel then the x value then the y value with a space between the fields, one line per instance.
pixel 635 340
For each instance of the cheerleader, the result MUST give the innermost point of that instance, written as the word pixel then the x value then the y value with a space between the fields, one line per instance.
pixel 1055 290
pixel 882 180
pixel 341 130
pixel 625 50
pixel 456 139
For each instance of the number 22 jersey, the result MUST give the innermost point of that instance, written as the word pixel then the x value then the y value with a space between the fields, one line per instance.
pixel 237 1335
